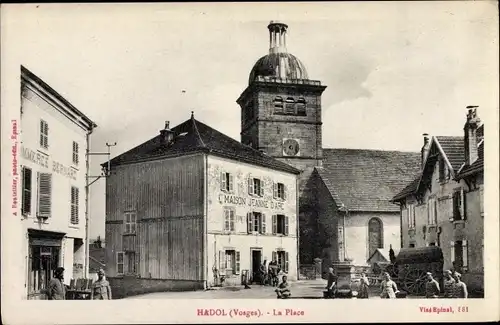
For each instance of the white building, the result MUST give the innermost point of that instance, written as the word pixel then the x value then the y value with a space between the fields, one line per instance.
pixel 54 138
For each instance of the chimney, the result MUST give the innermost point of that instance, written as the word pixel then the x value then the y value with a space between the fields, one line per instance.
pixel 470 135
pixel 425 148
pixel 167 135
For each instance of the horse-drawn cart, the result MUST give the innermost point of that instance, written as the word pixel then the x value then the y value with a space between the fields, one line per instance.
pixel 412 265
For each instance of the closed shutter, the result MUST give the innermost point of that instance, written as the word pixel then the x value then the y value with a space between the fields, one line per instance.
pixel 227 226
pixel 286 262
pixel 452 251
pixel 250 185
pixel 223 181
pixel 44 195
pixel 231 183
pixel 263 223
pixel 237 266
pixel 261 188
pixel 26 195
pixel 464 205
pixel 74 205
pixel 249 222
pixel 285 190
pixel 222 261
pixel 409 216
pixel 231 219
pixel 286 226
pixel 275 224
pixel 275 190
pixel 465 255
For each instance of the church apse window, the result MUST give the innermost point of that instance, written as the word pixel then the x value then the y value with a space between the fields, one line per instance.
pixel 301 107
pixel 278 105
pixel 290 106
pixel 375 235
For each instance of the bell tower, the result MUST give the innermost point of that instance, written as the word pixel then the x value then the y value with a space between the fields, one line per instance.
pixel 281 107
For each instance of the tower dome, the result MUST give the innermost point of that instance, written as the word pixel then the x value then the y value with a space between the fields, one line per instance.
pixel 278 64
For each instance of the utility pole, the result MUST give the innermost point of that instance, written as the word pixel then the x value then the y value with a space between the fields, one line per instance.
pixel 104 173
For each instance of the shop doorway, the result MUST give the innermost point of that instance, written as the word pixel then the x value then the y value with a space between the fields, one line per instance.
pixel 43 260
pixel 256 260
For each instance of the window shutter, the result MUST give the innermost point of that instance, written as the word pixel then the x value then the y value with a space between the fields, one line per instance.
pixel 250 184
pixel 237 266
pixel 435 211
pixel 44 194
pixel 263 223
pixel 284 192
pixel 286 262
pixel 119 263
pixel 261 188
pixel 231 183
pixel 249 222
pixel 274 256
pixel 453 257
pixel 275 190
pixel 223 181
pixel 26 195
pixel 408 215
pixel 227 226
pixel 464 205
pixel 286 226
pixel 275 224
pixel 222 260
pixel 46 135
pixel 231 221
pixel 465 255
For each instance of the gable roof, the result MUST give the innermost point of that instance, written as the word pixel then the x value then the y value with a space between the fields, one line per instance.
pixel 193 136
pixel 365 180
pixel 383 253
pixel 453 148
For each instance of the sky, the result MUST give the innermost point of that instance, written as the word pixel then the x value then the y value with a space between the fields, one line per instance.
pixel 393 70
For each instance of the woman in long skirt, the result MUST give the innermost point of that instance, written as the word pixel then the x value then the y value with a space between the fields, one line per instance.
pixel 363 288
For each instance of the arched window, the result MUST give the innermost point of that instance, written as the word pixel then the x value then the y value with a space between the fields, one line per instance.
pixel 301 106
pixel 289 106
pixel 375 235
pixel 278 105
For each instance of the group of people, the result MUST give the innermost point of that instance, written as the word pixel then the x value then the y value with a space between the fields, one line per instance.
pixel 56 290
pixel 268 273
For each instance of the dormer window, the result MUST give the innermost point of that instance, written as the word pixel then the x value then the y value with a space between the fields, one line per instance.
pixel 301 107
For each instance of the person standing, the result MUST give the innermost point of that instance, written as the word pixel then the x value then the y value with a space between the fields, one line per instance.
pixel 389 287
pixel 56 289
pixel 460 287
pixel 330 285
pixel 449 285
pixel 101 290
pixel 431 287
pixel 363 287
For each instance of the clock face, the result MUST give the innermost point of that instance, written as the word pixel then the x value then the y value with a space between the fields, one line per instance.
pixel 290 147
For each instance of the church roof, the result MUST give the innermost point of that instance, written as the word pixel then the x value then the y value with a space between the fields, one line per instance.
pixel 194 136
pixel 366 180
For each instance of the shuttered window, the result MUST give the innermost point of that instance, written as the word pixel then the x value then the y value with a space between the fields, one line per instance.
pixel 411 216
pixel 256 222
pixel 44 195
pixel 26 194
pixel 75 198
pixel 229 216
pixel 279 191
pixel 119 263
pixel 432 211
pixel 130 222
pixel 280 225
pixel 283 260
pixel 229 261
pixel 75 153
pixel 44 134
pixel 226 182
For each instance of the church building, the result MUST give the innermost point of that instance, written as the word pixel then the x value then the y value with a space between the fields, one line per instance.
pixel 344 194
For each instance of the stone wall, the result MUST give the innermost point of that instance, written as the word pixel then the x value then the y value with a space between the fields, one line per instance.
pixel 122 287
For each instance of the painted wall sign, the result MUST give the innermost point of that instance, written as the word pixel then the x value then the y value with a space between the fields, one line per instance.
pixel 43 160
pixel 251 202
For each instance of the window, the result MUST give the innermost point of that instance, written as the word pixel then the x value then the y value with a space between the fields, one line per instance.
pixel 130 263
pixel 432 211
pixel 26 194
pixel 74 205
pixel 301 107
pixel 411 216
pixel 411 245
pixel 256 223
pixel 229 260
pixel 460 255
pixel 229 219
pixel 255 186
pixel 280 225
pixel 119 263
pixel 278 105
pixel 282 258
pixel 44 134
pixel 43 260
pixel 226 182
pixel 279 191
pixel 443 170
pixel 75 153
pixel 130 222
pixel 459 207
pixel 375 239
pixel 44 195
pixel 290 106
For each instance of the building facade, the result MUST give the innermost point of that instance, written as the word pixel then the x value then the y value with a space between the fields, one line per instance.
pixel 192 208
pixel 344 194
pixel 444 205
pixel 54 137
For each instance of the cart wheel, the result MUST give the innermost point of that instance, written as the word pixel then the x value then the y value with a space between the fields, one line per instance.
pixel 414 282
